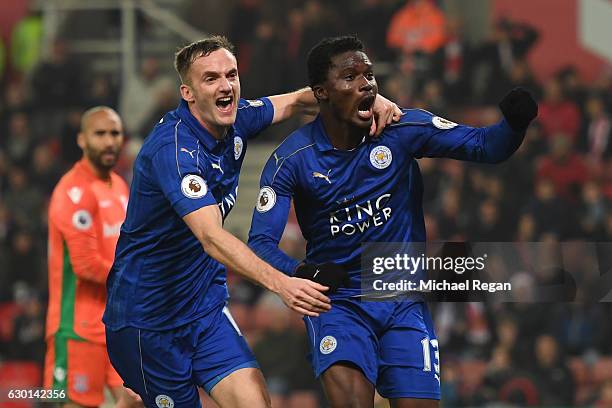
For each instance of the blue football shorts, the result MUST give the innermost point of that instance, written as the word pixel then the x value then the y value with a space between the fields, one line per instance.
pixel 164 367
pixel 393 343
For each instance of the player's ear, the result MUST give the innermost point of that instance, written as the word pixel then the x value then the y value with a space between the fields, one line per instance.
pixel 320 92
pixel 81 140
pixel 186 93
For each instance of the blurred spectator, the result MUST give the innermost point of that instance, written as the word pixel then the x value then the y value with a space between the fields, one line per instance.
pixel 69 151
pixel 4 166
pixel 45 171
pixel 604 399
pixel 320 19
pixel 557 114
pixel 564 168
pixel 418 26
pixel 102 92
pixel 598 135
pixel 526 231
pixel 521 75
pixel 24 261
pixel 499 371
pixel 58 80
pixel 433 98
pixel 449 216
pixel 26 43
pixel 451 63
pixel 510 42
pixel 15 98
pixel 578 327
pixel 29 327
pixel 551 373
pixel 142 96
pixel 265 74
pixel 549 212
pixel 19 144
pixel 6 229
pixel 371 18
pixel 571 85
pixel 245 17
pixel 487 225
pixel 24 200
pixel 592 212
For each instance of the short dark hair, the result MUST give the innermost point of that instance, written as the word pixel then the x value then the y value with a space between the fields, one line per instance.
pixel 184 58
pixel 320 56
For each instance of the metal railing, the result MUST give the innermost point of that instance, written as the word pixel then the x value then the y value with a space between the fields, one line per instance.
pixel 52 19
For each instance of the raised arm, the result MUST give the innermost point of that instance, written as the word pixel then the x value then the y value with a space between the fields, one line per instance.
pixel 438 137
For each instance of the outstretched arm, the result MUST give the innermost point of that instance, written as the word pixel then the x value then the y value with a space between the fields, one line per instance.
pixel 438 137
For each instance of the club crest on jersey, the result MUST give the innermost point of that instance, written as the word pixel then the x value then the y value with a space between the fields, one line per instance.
pixel 193 186
pixel 442 123
pixel 266 199
pixel 255 102
pixel 81 383
pixel 328 344
pixel 238 145
pixel 82 220
pixel 164 401
pixel 381 157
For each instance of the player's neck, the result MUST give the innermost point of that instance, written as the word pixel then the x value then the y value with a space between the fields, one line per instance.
pixel 218 132
pixel 342 135
pixel 101 173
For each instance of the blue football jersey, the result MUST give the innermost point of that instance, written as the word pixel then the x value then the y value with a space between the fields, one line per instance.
pixel 161 277
pixel 372 193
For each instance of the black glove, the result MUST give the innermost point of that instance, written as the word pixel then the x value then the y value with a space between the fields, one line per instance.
pixel 519 109
pixel 328 274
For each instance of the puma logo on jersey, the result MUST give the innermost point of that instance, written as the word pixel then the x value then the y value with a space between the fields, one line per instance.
pixel 217 167
pixel 276 158
pixel 316 174
pixel 188 152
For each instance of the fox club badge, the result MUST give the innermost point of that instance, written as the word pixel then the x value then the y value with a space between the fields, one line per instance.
pixel 381 157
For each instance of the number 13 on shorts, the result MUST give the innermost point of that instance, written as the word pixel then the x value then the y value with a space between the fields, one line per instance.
pixel 430 346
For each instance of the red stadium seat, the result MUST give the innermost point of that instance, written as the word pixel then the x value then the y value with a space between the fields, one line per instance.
pixel 7 317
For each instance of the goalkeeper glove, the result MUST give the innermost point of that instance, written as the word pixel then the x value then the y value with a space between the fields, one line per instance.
pixel 519 109
pixel 327 274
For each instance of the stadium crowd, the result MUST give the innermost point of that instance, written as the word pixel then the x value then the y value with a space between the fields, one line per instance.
pixel 557 187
